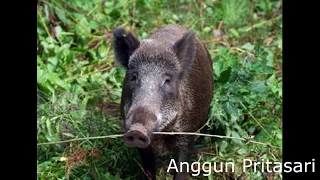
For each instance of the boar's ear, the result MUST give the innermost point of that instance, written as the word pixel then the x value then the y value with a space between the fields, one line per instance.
pixel 185 49
pixel 124 45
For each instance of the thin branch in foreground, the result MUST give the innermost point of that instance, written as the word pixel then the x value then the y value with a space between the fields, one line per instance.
pixel 163 133
pixel 44 24
pixel 217 136
pixel 84 75
pixel 148 174
pixel 82 139
pixel 257 121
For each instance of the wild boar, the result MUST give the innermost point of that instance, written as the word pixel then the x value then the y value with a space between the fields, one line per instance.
pixel 168 87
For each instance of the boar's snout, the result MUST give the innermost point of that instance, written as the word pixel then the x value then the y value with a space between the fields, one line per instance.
pixel 140 124
pixel 137 136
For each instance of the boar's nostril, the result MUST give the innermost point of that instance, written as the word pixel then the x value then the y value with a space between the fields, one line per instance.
pixel 130 138
pixel 142 139
pixel 136 139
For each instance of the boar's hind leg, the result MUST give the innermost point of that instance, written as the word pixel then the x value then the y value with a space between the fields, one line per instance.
pixel 148 162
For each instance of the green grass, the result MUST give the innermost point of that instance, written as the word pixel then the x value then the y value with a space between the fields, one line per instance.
pixel 79 83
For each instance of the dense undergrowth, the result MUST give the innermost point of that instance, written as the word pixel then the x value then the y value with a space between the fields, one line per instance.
pixel 79 83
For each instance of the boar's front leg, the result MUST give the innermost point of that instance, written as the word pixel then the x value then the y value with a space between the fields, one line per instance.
pixel 184 155
pixel 148 162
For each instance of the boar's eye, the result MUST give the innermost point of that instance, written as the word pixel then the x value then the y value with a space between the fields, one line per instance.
pixel 133 78
pixel 166 80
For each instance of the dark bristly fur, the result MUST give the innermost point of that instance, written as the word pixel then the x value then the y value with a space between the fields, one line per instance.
pixel 168 87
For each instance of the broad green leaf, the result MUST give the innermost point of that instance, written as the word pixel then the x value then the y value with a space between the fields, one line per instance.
pixel 65 49
pixel 234 32
pixel 120 4
pixel 235 134
pixel 279 133
pixel 217 68
pixel 223 146
pixel 58 126
pixel 231 108
pixel 242 151
pixel 63 159
pixel 144 35
pixel 93 24
pixel 102 51
pixel 83 27
pixel 206 29
pixel 252 129
pixel 275 87
pixel 223 98
pixel 48 123
pixel 58 31
pixel 68 134
pixel 54 78
pixel 41 76
pixel 85 101
pixel 270 59
pixel 268 70
pixel 53 60
pixel 96 77
pixel 224 76
pixel 279 43
pixel 62 16
pixel 248 46
pixel 175 17
pixel 258 86
pixel 82 80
